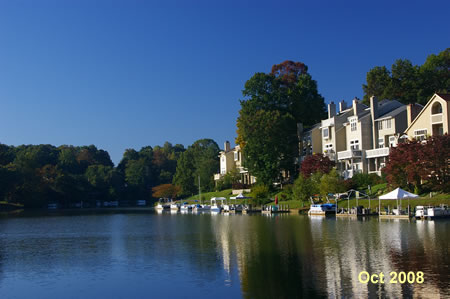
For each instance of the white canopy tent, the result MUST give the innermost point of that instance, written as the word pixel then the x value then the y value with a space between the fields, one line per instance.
pixel 240 196
pixel 398 194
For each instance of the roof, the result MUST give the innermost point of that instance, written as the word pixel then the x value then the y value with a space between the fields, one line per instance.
pixel 387 106
pixel 444 96
pixel 393 112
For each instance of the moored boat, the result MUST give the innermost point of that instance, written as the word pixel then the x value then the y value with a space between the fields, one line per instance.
pixel 432 212
pixel 322 209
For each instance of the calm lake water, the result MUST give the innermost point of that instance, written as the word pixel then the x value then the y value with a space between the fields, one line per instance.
pixel 148 255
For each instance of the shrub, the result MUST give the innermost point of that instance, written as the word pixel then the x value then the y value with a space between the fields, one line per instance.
pixel 260 195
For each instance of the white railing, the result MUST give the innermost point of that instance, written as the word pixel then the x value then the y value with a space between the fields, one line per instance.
pixel 436 118
pixel 378 152
pixel 349 154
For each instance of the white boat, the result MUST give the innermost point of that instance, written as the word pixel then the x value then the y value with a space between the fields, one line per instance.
pixel 174 207
pixel 215 206
pixel 185 207
pixel 201 208
pixel 159 206
pixel 432 212
pixel 323 209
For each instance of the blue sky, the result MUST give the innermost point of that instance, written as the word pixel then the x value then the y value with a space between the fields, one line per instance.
pixel 125 74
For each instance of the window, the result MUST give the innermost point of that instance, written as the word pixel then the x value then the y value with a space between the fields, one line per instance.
pixel 384 124
pixel 326 133
pixel 236 156
pixel 380 142
pixel 436 108
pixel 420 134
pixel 354 144
pixel 380 125
pixel 353 124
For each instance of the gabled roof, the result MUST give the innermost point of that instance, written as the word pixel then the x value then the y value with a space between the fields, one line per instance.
pixel 445 97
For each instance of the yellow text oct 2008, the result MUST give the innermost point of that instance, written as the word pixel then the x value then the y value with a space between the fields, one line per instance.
pixel 394 277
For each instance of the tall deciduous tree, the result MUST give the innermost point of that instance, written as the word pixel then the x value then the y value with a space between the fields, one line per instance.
pixel 200 159
pixel 273 104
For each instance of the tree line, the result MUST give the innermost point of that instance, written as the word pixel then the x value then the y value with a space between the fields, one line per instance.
pixel 35 175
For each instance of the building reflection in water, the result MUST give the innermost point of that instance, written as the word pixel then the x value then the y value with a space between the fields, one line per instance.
pixel 292 257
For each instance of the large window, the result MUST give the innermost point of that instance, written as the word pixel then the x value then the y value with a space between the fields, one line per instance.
pixel 380 142
pixel 353 123
pixel 236 156
pixel 354 144
pixel 385 124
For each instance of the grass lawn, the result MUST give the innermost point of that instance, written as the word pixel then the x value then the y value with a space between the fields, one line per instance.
pixel 206 197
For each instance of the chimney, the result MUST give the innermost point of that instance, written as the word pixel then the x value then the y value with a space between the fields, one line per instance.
pixel 374 115
pixel 331 110
pixel 356 106
pixel 342 106
pixel 227 146
pixel 412 110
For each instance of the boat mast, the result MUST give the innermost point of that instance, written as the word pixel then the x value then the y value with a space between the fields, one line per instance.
pixel 199 191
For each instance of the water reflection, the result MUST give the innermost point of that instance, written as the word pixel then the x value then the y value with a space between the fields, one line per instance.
pixel 221 256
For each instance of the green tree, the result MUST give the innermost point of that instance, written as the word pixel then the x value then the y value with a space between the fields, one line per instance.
pixel 266 125
pixel 305 187
pixel 331 183
pixel 410 83
pixel 260 195
pixel 185 174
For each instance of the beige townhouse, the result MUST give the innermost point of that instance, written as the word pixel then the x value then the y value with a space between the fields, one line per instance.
pixel 433 120
pixel 230 159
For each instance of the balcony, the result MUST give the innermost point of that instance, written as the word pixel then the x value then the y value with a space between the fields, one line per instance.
pixel 436 118
pixel 349 154
pixel 378 152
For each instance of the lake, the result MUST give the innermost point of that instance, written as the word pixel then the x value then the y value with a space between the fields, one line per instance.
pixel 150 255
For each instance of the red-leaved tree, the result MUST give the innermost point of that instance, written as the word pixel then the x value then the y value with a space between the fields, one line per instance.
pixel 416 164
pixel 316 163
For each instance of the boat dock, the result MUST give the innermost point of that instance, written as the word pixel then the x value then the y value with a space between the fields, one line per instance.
pixel 276 209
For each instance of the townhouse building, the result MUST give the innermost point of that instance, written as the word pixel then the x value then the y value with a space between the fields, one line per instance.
pixel 231 159
pixel 358 139
pixel 433 119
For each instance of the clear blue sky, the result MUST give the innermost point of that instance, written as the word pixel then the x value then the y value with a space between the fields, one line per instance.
pixel 125 74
